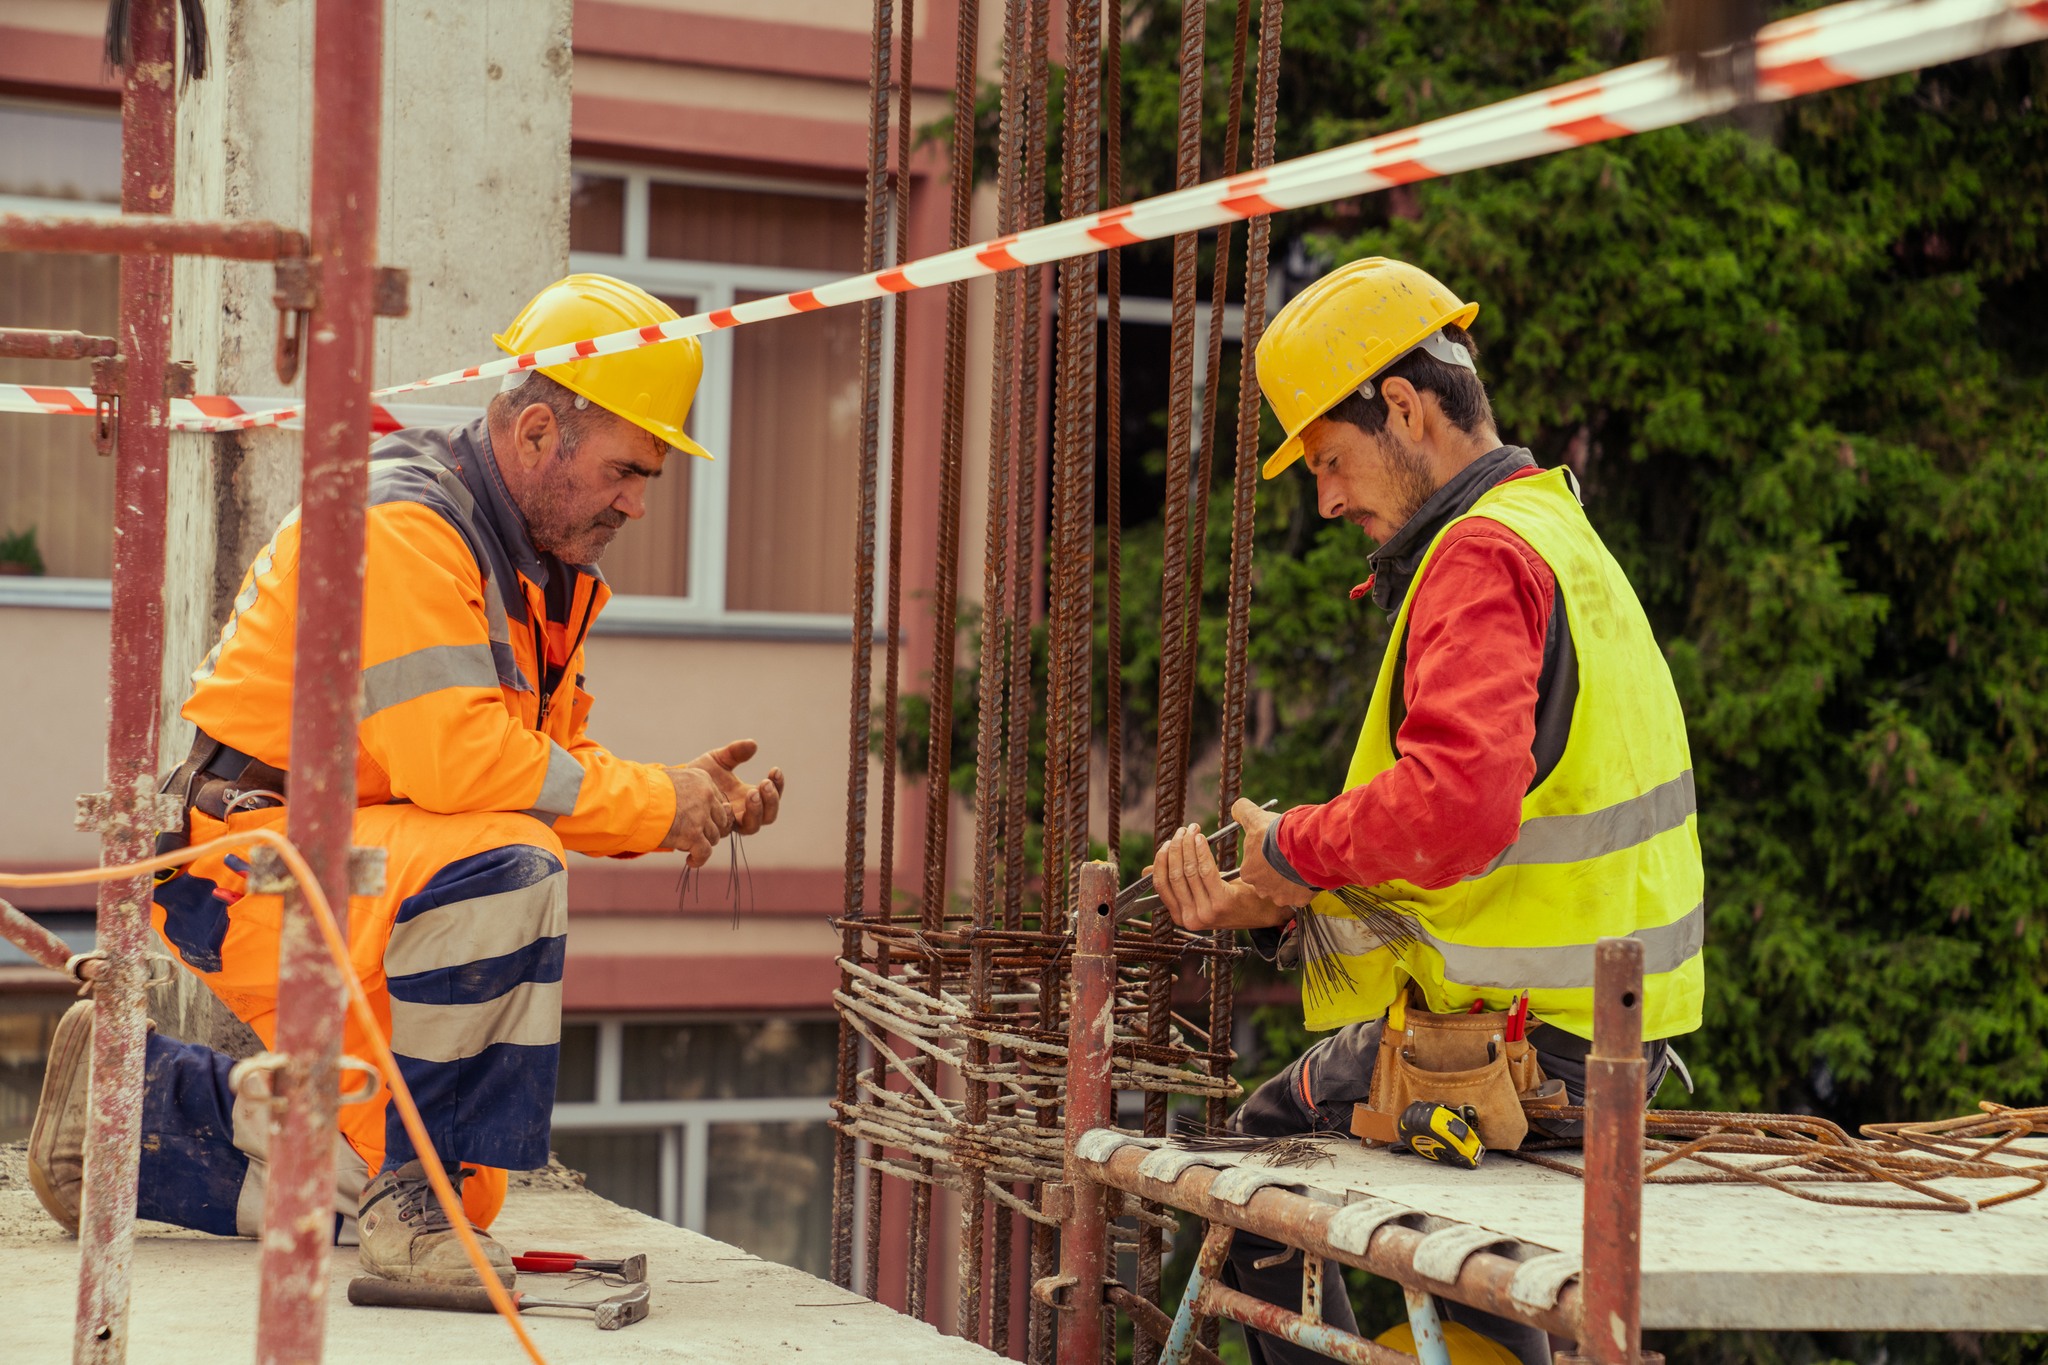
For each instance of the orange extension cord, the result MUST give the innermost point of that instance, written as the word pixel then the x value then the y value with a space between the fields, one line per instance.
pixel 358 1002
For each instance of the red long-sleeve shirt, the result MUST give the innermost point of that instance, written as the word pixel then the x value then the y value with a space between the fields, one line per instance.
pixel 1453 800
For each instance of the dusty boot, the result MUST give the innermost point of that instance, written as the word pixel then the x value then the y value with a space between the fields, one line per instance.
pixel 403 1234
pixel 56 1144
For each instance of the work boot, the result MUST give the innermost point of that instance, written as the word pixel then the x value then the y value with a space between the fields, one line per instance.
pixel 404 1234
pixel 56 1144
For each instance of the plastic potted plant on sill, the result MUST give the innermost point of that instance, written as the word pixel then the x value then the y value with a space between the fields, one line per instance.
pixel 19 555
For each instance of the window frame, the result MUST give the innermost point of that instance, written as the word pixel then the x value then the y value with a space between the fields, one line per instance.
pixel 714 284
pixel 684 1125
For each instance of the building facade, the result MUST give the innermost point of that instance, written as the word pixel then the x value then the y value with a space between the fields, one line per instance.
pixel 714 158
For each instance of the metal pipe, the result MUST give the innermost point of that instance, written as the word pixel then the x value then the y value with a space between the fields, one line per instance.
pixel 33 939
pixel 1084 1248
pixel 113 1149
pixel 298 1219
pixel 35 343
pixel 1154 1320
pixel 1612 1331
pixel 139 232
pixel 1297 1222
pixel 1276 1321
pixel 1426 1328
pixel 1208 1265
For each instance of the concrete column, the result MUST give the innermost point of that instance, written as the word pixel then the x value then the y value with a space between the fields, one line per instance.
pixel 474 205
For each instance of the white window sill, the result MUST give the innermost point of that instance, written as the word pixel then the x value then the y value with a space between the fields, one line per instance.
pixel 647 616
pixel 73 594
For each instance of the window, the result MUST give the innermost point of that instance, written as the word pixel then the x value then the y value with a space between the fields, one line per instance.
pixel 57 160
pixel 763 534
pixel 719 1126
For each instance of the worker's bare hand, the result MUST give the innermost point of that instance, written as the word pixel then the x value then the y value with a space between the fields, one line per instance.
pixel 753 804
pixel 703 815
pixel 1191 887
pixel 1253 869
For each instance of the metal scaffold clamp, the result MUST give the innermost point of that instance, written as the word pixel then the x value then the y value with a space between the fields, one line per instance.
pixel 297 294
pixel 145 813
pixel 268 875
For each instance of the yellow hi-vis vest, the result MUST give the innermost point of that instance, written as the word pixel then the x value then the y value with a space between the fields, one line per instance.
pixel 1609 842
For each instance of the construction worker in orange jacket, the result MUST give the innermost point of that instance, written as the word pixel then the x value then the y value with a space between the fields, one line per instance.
pixel 475 773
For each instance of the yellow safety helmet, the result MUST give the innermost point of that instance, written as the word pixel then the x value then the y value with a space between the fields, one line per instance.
pixel 1461 1343
pixel 651 387
pixel 1342 331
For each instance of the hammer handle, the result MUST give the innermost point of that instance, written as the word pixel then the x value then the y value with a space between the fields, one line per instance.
pixel 367 1291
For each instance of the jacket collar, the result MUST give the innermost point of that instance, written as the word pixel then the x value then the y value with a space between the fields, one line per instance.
pixel 1394 563
pixel 486 482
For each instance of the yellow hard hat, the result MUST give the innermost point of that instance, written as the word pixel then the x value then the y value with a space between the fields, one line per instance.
pixel 651 386
pixel 1461 1343
pixel 1343 330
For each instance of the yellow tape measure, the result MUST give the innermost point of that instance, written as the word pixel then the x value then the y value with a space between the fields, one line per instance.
pixel 1439 1133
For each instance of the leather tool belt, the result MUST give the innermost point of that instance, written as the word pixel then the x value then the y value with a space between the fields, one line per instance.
pixel 217 779
pixel 1454 1060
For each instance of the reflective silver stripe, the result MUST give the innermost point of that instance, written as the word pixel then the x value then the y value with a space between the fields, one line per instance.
pixel 1666 948
pixel 433 669
pixel 246 598
pixel 530 1014
pixel 1578 838
pixel 561 787
pixel 490 926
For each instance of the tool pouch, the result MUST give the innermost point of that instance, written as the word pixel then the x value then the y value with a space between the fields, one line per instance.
pixel 1454 1060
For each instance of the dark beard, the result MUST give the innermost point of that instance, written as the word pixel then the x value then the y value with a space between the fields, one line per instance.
pixel 1414 483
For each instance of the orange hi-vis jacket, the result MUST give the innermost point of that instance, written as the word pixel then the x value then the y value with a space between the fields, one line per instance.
pixel 472 681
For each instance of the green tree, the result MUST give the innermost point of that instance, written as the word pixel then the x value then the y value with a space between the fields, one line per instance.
pixel 1795 358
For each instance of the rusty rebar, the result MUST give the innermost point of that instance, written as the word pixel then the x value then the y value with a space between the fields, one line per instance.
pixel 1113 443
pixel 348 70
pixel 134 681
pixel 1176 649
pixel 946 571
pixel 885 879
pixel 859 704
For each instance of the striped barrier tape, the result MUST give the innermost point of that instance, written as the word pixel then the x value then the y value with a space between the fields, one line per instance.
pixel 1839 45
pixel 203 412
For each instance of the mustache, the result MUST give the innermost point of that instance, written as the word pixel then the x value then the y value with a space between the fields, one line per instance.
pixel 610 521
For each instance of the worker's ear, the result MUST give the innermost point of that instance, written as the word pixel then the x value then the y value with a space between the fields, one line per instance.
pixel 1405 415
pixel 535 435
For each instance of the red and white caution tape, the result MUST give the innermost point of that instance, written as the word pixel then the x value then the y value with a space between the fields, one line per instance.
pixel 205 412
pixel 1839 45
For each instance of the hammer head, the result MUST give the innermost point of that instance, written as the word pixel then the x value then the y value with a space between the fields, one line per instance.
pixel 621 1310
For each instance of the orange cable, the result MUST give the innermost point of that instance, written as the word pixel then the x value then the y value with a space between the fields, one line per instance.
pixel 359 1005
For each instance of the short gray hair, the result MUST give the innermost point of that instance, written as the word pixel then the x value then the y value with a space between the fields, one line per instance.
pixel 575 415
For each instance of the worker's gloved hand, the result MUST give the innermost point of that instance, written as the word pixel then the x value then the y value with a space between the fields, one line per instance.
pixel 1191 887
pixel 1254 871
pixel 752 804
pixel 703 816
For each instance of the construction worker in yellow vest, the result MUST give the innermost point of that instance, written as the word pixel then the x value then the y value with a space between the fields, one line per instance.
pixel 1521 785
pixel 475 773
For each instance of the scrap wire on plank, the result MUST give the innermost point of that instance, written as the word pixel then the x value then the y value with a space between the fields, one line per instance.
pixel 1791 1152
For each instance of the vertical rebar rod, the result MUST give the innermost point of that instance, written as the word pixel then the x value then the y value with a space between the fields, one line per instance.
pixel 1243 508
pixel 992 730
pixel 1176 667
pixel 298 1218
pixel 859 703
pixel 885 880
pixel 945 588
pixel 1113 441
pixel 1611 1331
pixel 113 1149
pixel 1084 1245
